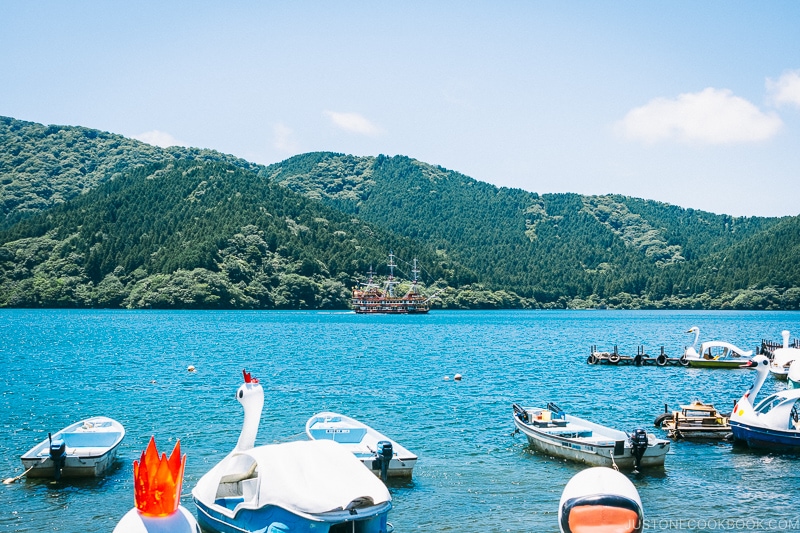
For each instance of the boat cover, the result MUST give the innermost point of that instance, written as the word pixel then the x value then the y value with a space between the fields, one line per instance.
pixel 304 477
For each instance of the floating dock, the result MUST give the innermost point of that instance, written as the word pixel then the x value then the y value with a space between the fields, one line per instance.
pixel 641 358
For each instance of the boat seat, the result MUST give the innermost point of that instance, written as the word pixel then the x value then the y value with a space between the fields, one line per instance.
pixel 240 476
pixel 102 439
pixel 602 519
pixel 349 436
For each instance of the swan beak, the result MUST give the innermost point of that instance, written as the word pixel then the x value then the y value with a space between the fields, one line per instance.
pixel 749 364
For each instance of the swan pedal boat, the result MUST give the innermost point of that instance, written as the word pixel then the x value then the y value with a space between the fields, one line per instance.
pixel 714 354
pixel 84 449
pixel 558 434
pixel 367 444
pixel 771 423
pixel 312 486
pixel 697 420
pixel 782 359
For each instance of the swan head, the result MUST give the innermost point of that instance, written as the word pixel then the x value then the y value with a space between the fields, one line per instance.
pixel 251 395
pixel 759 362
pixel 694 329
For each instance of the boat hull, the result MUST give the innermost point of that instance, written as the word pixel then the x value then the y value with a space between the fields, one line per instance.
pixel 604 452
pixel 710 363
pixel 74 467
pixel 276 519
pixel 759 437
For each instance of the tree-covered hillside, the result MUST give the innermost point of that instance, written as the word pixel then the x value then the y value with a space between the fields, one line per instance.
pixel 43 166
pixel 193 234
pixel 95 219
pixel 577 250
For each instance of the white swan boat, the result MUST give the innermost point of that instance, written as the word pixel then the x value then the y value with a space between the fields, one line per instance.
pixel 84 449
pixel 782 358
pixel 383 456
pixel 715 354
pixel 600 499
pixel 299 487
pixel 793 376
pixel 773 422
pixel 561 435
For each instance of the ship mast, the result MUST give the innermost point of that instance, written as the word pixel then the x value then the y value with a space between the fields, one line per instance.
pixel 390 282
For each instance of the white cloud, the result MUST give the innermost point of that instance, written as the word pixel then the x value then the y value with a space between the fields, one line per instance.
pixel 159 138
pixel 712 116
pixel 353 122
pixel 786 90
pixel 284 139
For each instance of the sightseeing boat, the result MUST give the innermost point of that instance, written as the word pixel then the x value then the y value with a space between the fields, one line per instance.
pixel 374 299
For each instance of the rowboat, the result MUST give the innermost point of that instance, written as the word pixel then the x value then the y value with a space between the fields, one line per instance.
pixel 556 433
pixel 382 455
pixel 84 449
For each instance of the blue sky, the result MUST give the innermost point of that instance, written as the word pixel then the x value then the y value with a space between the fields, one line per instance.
pixel 691 103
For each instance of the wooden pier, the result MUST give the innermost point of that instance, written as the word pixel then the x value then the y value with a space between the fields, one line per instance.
pixel 641 358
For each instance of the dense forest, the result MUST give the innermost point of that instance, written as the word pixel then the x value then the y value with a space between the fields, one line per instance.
pixel 92 219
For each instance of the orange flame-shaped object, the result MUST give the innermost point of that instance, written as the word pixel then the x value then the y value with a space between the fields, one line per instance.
pixel 158 481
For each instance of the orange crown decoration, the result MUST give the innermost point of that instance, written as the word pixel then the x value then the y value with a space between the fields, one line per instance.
pixel 158 481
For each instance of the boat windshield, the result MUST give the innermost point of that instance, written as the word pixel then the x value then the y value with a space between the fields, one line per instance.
pixel 768 403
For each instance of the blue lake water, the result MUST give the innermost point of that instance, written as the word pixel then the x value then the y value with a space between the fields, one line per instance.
pixel 473 475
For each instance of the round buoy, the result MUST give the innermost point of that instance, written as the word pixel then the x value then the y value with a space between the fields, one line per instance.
pixel 191 368
pixel 447 378
pixel 457 377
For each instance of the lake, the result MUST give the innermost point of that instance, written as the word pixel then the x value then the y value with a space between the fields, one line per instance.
pixel 473 475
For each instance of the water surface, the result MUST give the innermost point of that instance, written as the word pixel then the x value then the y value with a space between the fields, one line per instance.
pixel 474 475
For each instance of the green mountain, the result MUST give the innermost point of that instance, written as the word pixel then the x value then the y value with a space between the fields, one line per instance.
pixel 95 219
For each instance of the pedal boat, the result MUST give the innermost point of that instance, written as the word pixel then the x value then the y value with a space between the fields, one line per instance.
pixel 697 420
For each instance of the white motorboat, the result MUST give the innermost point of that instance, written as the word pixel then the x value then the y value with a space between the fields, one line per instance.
pixel 299 487
pixel 782 358
pixel 556 433
pixel 382 455
pixel 715 354
pixel 84 449
pixel 773 422
pixel 600 499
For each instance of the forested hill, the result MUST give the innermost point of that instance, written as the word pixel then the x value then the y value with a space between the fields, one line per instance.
pixel 95 219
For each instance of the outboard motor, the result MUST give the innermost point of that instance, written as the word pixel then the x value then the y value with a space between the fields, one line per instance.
pixel 638 447
pixel 384 457
pixel 58 453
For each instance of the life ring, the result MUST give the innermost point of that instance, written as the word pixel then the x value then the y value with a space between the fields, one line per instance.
pixel 592 360
pixel 661 360
pixel 659 421
pixel 613 358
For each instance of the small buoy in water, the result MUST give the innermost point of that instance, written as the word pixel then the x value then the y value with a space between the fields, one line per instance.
pixel 447 378
pixel 152 381
pixel 457 377
pixel 191 368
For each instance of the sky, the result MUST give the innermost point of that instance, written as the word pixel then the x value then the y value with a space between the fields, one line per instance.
pixel 695 104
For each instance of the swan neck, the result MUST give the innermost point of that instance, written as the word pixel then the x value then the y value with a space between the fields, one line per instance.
pixel 253 403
